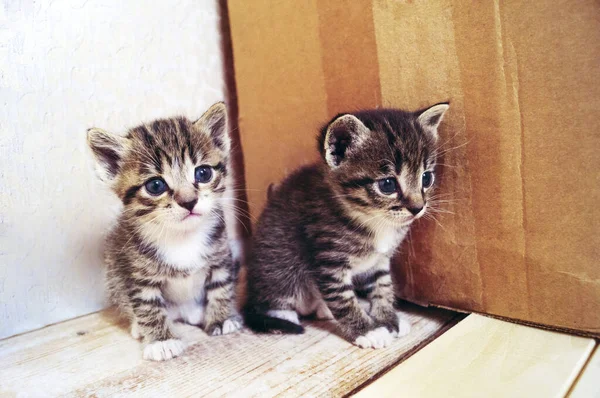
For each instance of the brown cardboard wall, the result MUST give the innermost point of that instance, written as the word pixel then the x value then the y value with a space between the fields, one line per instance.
pixel 281 88
pixel 558 60
pixel 517 232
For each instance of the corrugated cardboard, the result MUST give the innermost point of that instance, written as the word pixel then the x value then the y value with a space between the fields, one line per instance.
pixel 519 234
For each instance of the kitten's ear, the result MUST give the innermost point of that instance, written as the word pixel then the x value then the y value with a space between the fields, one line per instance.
pixel 214 122
pixel 109 150
pixel 431 117
pixel 343 137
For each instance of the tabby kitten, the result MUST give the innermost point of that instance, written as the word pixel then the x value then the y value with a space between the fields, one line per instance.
pixel 329 230
pixel 168 257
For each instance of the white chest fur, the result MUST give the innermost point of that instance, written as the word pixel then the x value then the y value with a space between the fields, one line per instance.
pixel 365 263
pixel 185 297
pixel 181 290
pixel 185 251
pixel 385 242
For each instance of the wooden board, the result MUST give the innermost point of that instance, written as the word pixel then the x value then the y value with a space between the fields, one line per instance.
pixel 484 357
pixel 95 356
pixel 588 383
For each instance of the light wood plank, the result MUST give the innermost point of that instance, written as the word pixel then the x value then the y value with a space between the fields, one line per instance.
pixel 95 356
pixel 485 357
pixel 588 383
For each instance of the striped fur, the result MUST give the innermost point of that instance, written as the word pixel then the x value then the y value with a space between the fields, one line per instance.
pixel 328 232
pixel 168 257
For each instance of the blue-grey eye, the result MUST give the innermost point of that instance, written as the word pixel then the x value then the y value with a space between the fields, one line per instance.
pixel 156 186
pixel 427 179
pixel 203 174
pixel 387 185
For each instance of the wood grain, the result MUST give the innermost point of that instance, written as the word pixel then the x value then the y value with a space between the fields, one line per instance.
pixel 484 357
pixel 95 356
pixel 588 383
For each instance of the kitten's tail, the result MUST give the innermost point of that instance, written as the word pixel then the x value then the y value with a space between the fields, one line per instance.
pixel 262 323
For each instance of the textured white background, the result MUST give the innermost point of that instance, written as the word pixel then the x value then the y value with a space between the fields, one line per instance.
pixel 67 65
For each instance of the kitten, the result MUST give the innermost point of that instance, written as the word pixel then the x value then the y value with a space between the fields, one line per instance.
pixel 328 231
pixel 168 257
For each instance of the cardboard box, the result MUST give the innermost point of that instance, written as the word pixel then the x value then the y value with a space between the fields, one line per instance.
pixel 522 171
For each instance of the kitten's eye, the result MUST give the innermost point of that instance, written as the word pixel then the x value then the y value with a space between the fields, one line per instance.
pixel 427 179
pixel 156 186
pixel 203 174
pixel 387 185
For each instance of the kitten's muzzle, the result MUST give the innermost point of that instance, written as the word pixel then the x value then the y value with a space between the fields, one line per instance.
pixel 414 204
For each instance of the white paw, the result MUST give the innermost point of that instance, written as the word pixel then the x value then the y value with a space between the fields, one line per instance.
pixel 403 327
pixel 163 350
pixel 231 325
pixel 377 338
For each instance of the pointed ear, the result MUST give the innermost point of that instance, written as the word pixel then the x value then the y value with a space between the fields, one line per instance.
pixel 109 150
pixel 342 138
pixel 214 123
pixel 431 117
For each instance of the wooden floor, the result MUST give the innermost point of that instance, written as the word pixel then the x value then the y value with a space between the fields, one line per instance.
pixel 478 357
pixel 484 357
pixel 95 356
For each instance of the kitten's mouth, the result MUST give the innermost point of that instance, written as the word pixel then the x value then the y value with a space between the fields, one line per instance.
pixel 191 216
pixel 402 220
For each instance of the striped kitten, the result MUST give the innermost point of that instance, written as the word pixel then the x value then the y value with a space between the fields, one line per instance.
pixel 329 230
pixel 168 257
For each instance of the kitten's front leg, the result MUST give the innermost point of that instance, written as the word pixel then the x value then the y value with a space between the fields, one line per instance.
pixel 221 316
pixel 335 284
pixel 382 300
pixel 150 323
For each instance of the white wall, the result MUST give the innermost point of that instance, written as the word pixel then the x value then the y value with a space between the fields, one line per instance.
pixel 67 65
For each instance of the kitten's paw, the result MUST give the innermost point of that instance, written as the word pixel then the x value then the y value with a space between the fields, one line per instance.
pixel 403 327
pixel 163 350
pixel 230 325
pixel 377 338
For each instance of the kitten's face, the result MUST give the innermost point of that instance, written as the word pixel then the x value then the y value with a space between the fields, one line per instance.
pixel 382 162
pixel 169 174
